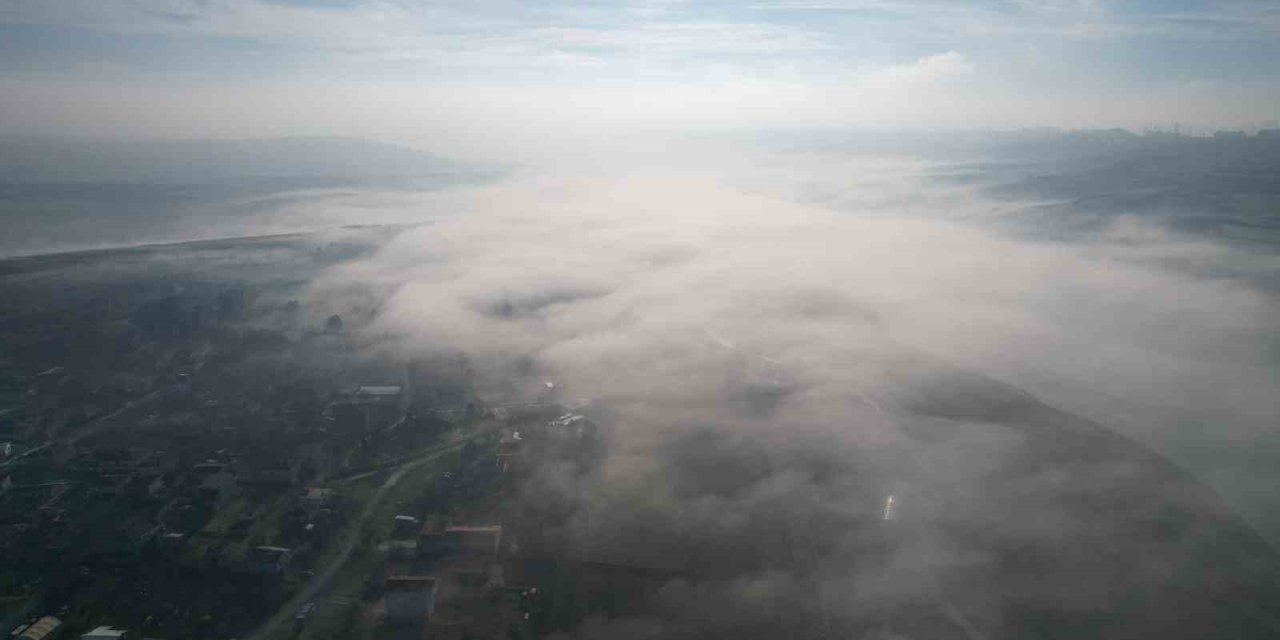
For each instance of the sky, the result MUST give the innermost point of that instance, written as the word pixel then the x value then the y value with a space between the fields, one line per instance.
pixel 495 75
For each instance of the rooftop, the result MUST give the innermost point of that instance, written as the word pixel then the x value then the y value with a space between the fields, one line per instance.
pixel 104 632
pixel 409 583
pixel 488 528
pixel 40 629
pixel 379 391
pixel 272 550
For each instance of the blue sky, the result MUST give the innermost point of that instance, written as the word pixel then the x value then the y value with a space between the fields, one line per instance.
pixel 173 67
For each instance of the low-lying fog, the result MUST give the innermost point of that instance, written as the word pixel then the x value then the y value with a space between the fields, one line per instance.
pixel 754 328
pixel 670 291
pixel 754 321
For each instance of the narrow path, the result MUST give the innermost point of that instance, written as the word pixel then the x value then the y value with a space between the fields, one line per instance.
pixel 94 427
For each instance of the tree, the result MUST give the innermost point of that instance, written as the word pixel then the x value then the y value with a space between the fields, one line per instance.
pixel 469 452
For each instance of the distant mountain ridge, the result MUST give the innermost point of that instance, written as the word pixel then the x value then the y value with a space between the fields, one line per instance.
pixel 70 160
pixel 68 194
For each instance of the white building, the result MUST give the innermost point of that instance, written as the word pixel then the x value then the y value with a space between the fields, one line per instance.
pixel 106 633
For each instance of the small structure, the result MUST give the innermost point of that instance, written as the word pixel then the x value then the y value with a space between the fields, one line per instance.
pixel 509 452
pixel 269 560
pixel 42 629
pixel 304 612
pixel 107 633
pixel 406 527
pixel 314 499
pixel 461 540
pixel 378 394
pixel 411 600
pixel 219 486
pixel 272 475
pixel 171 543
pixel 572 426
pixel 568 419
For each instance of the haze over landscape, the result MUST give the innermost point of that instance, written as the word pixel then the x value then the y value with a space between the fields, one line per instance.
pixel 855 318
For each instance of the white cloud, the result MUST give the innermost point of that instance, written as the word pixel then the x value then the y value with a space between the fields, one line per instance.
pixel 684 305
pixel 930 68
pixel 643 267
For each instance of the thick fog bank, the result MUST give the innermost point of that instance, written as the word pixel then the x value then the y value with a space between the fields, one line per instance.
pixel 774 367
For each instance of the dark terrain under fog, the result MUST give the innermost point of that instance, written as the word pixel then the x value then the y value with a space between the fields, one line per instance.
pixel 680 427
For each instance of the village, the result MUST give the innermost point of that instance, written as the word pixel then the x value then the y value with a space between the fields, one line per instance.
pixel 205 464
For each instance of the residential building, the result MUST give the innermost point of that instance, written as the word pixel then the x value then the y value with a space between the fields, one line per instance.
pixel 43 629
pixel 107 633
pixel 410 600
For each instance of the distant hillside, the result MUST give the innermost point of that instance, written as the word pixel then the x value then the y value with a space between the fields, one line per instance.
pixel 1227 188
pixel 63 160
pixel 64 194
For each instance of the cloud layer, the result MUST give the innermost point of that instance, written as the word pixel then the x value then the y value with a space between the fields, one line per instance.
pixel 768 372
pixel 451 77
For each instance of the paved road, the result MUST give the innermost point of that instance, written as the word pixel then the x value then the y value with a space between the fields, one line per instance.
pixel 350 538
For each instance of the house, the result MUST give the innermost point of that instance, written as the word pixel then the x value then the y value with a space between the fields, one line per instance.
pixel 269 560
pixel 461 540
pixel 171 543
pixel 405 527
pixel 567 420
pixel 268 478
pixel 572 426
pixel 107 633
pixel 314 499
pixel 471 575
pixel 378 394
pixel 509 448
pixel 378 391
pixel 43 629
pixel 410 600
